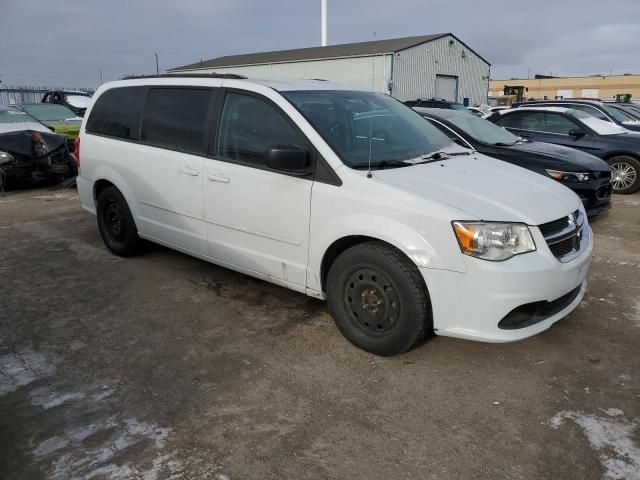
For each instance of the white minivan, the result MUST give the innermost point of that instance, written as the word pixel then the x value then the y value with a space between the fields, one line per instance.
pixel 342 194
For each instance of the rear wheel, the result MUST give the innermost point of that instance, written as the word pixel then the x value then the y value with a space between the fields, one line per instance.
pixel 625 178
pixel 378 299
pixel 116 224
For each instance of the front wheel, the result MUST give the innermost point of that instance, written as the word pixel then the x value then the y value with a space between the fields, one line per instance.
pixel 625 177
pixel 378 299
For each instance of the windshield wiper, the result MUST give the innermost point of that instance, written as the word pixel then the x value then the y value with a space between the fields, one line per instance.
pixel 383 163
pixel 430 157
pixel 503 144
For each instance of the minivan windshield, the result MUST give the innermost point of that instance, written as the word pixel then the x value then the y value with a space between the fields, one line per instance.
pixel 359 124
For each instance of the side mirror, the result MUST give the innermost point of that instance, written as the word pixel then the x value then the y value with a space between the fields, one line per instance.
pixel 576 132
pixel 290 160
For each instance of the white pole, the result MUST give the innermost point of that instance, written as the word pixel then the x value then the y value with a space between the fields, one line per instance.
pixel 324 23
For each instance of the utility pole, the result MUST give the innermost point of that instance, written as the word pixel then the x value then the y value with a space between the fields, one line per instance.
pixel 101 79
pixel 157 69
pixel 324 23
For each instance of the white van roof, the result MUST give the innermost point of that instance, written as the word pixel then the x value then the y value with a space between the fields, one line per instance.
pixel 213 79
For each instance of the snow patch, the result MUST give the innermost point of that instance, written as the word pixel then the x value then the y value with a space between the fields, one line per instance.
pixel 611 436
pixel 21 368
pixel 46 398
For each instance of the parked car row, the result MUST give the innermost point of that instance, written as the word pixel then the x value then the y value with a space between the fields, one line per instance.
pixel 580 130
pixel 586 175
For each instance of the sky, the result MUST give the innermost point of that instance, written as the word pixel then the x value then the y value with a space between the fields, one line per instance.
pixel 68 43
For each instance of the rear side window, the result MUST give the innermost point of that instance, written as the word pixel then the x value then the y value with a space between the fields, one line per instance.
pixel 176 117
pixel 117 113
pixel 513 120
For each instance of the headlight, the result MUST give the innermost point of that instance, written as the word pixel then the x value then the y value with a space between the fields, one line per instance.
pixel 5 157
pixel 569 176
pixel 493 241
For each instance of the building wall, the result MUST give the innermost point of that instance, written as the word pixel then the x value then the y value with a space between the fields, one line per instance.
pixel 603 87
pixel 415 70
pixel 370 72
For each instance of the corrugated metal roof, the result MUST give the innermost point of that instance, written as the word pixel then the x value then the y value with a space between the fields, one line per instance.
pixel 314 53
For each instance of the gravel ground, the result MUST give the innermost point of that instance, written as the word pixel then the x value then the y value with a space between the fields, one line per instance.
pixel 163 366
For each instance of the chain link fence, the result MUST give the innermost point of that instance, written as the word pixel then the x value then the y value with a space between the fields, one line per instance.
pixel 25 94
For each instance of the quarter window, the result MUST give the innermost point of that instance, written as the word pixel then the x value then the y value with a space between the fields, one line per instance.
pixel 250 126
pixel 176 117
pixel 117 113
pixel 590 110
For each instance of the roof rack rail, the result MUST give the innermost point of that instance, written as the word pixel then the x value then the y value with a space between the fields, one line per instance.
pixel 188 75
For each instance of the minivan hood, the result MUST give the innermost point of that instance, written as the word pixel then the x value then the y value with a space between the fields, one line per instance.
pixel 487 189
pixel 569 159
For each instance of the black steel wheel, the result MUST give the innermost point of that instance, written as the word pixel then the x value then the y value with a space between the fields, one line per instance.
pixel 372 300
pixel 116 224
pixel 378 299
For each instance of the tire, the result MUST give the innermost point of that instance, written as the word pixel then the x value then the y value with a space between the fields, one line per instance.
pixel 378 299
pixel 115 222
pixel 626 174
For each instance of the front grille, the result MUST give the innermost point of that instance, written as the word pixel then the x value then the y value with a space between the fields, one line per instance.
pixel 604 191
pixel 564 236
pixel 564 247
pixel 606 174
pixel 554 227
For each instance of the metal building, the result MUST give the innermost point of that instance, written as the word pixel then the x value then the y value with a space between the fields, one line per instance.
pixel 424 66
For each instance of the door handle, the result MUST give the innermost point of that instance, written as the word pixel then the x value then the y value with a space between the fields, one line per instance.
pixel 187 170
pixel 218 177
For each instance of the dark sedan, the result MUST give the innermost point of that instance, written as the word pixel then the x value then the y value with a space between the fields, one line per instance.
pixel 588 176
pixel 603 111
pixel 618 147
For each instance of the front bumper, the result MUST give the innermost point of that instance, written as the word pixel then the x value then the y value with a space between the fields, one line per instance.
pixel 595 195
pixel 471 305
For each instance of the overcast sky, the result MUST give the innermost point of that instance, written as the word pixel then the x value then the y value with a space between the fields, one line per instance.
pixel 67 43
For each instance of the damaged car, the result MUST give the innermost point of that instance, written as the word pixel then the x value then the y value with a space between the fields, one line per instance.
pixel 31 154
pixel 58 118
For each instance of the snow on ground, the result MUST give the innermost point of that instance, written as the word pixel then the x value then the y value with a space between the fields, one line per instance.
pixel 611 436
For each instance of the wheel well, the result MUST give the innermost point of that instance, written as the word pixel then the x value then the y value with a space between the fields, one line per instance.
pixel 339 246
pixel 620 154
pixel 99 186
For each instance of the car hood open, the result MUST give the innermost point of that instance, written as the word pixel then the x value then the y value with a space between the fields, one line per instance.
pixel 487 189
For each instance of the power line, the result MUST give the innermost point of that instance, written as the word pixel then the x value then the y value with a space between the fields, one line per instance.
pixel 101 50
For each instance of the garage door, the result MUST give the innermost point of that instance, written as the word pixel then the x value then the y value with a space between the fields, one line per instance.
pixel 447 87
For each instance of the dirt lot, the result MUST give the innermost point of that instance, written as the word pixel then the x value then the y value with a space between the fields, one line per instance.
pixel 164 366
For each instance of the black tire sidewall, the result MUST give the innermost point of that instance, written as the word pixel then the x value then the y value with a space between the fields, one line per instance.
pixel 635 163
pixel 131 242
pixel 414 317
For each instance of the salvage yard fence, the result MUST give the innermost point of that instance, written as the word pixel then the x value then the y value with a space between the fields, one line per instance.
pixel 24 94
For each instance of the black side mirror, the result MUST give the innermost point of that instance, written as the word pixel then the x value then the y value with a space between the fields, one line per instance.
pixel 576 132
pixel 290 160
